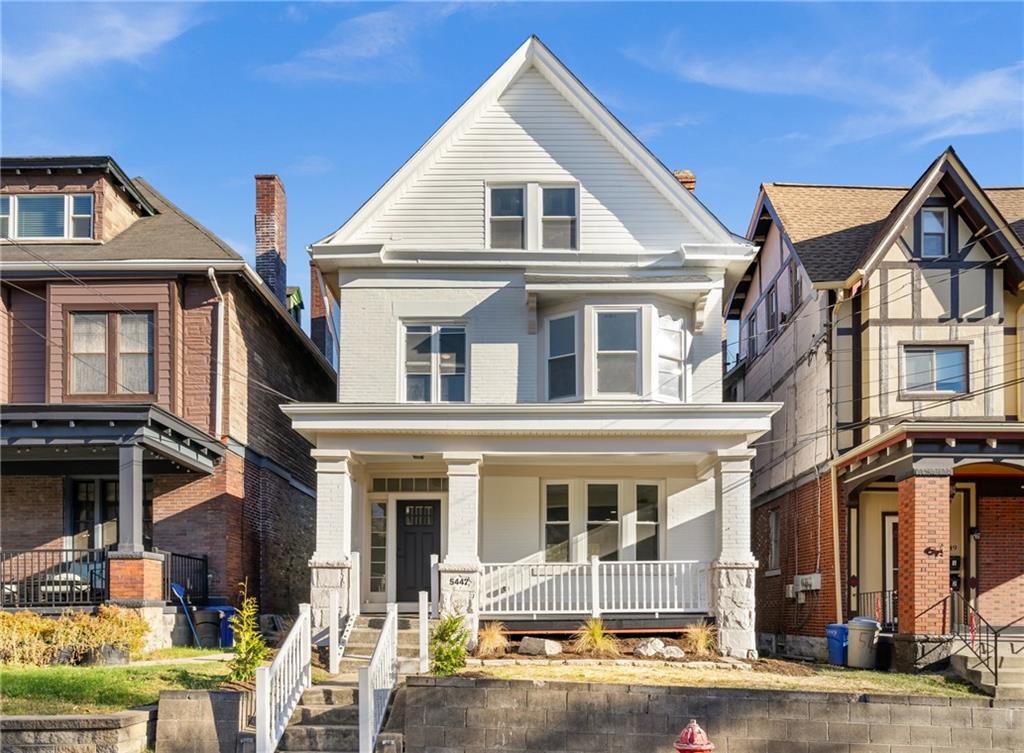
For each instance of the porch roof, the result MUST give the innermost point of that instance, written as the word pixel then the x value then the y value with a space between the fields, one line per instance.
pixel 83 433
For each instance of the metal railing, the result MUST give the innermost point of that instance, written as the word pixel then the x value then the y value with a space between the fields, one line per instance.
pixel 189 571
pixel 880 606
pixel 377 682
pixel 595 587
pixel 53 577
pixel 279 687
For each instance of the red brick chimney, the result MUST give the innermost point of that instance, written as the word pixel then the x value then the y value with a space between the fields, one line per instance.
pixel 319 327
pixel 272 234
pixel 687 179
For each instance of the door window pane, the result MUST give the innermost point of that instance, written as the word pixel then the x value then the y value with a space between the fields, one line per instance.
pixel 603 521
pixel 89 353
pixel 41 216
pixel 378 547
pixel 556 523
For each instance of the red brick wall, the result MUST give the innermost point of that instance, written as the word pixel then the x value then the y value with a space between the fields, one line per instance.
pixel 33 512
pixel 806 546
pixel 135 580
pixel 923 578
pixel 198 354
pixel 1001 559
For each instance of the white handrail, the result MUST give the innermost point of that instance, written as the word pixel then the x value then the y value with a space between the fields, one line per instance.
pixel 424 634
pixel 377 681
pixel 333 632
pixel 279 687
pixel 595 587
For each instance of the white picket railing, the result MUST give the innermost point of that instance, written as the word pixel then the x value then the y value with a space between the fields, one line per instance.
pixel 377 682
pixel 594 587
pixel 279 687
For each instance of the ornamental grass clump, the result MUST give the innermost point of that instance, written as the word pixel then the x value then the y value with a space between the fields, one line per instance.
pixel 250 648
pixel 700 639
pixel 491 640
pixel 592 638
pixel 448 645
pixel 71 638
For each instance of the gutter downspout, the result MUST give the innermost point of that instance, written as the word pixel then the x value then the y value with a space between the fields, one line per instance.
pixel 833 449
pixel 218 390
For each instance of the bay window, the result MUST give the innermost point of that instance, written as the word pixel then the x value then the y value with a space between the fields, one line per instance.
pixel 51 216
pixel 435 363
pixel 110 353
pixel 618 354
pixel 561 357
pixel 670 359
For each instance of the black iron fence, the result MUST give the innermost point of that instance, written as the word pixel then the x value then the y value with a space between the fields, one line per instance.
pixel 879 605
pixel 53 577
pixel 190 572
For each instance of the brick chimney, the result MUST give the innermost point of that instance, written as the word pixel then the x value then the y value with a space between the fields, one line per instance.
pixel 271 234
pixel 319 328
pixel 686 179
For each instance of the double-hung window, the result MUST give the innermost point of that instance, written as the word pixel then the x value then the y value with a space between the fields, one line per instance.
pixel 561 357
pixel 508 217
pixel 648 534
pixel 46 216
pixel 603 521
pixel 111 353
pixel 772 312
pixel 435 363
pixel 938 368
pixel 934 231
pixel 670 359
pixel 751 335
pixel 558 224
pixel 618 354
pixel 556 522
pixel 796 286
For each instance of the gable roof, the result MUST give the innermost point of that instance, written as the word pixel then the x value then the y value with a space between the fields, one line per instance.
pixel 837 231
pixel 534 54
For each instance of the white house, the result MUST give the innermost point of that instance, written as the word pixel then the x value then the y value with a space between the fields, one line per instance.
pixel 530 360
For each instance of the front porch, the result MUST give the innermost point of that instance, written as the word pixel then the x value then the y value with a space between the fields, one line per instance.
pixel 551 512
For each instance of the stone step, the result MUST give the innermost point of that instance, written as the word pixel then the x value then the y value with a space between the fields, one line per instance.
pixel 369 637
pixel 377 622
pixel 340 694
pixel 320 737
pixel 325 714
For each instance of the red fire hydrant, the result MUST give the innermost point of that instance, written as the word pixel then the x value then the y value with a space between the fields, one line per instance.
pixel 693 739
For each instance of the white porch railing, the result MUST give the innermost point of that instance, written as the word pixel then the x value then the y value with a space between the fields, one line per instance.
pixel 377 682
pixel 279 687
pixel 595 588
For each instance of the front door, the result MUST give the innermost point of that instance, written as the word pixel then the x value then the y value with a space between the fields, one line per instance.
pixel 419 536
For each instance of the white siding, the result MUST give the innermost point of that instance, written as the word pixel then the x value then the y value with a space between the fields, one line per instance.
pixel 531 133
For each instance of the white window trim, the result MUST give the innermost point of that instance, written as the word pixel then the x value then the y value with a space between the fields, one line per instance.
pixel 933 347
pixel 571 523
pixel 540 215
pixel 680 325
pixel 593 350
pixel 488 185
pixel 577 337
pixel 629 522
pixel 435 360
pixel 12 222
pixel 945 232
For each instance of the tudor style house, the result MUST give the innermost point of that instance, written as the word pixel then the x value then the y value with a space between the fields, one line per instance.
pixel 888 321
pixel 140 374
pixel 531 390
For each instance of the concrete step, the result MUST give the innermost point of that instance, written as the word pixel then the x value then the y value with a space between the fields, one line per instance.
pixel 320 737
pixel 377 622
pixel 325 714
pixel 339 694
pixel 370 636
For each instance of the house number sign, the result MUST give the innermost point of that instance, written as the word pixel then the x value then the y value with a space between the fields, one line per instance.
pixel 459 580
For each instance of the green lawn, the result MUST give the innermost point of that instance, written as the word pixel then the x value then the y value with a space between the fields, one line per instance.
pixel 85 690
pixel 183 652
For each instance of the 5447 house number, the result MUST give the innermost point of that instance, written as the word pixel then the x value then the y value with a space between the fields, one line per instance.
pixel 457 581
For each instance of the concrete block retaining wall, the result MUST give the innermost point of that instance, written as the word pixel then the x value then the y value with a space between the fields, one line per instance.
pixel 470 715
pixel 125 732
pixel 204 721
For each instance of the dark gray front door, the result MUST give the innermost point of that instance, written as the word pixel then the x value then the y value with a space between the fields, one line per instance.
pixel 419 536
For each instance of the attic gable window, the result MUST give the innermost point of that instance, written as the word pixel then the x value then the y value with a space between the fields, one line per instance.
pixel 559 220
pixel 47 216
pixel 934 231
pixel 508 215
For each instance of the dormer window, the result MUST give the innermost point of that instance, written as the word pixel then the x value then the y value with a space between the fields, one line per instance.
pixel 508 217
pixel 934 231
pixel 46 216
pixel 559 221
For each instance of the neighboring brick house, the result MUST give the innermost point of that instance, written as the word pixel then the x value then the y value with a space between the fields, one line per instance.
pixel 888 321
pixel 142 366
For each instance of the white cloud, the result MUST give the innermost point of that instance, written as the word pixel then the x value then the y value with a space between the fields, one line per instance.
pixel 81 37
pixel 371 46
pixel 881 92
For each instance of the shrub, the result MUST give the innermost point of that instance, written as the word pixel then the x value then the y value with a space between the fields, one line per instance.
pixel 28 638
pixel 448 645
pixel 491 640
pixel 592 638
pixel 250 648
pixel 700 639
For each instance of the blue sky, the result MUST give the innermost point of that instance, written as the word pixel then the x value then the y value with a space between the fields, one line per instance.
pixel 334 97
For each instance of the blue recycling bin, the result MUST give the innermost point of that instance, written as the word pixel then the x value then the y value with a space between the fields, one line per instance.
pixel 837 637
pixel 227 635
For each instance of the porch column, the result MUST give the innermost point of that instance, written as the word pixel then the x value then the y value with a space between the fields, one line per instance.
pixel 460 570
pixel 732 572
pixel 923 556
pixel 135 575
pixel 331 564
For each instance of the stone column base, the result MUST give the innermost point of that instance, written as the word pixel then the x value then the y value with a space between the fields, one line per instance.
pixel 912 652
pixel 732 601
pixel 459 593
pixel 325 577
pixel 136 579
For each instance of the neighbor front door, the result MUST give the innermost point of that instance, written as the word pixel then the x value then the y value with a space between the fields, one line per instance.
pixel 419 536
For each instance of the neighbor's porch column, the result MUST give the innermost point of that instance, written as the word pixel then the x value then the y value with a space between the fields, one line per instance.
pixel 460 570
pixel 732 572
pixel 136 576
pixel 330 567
pixel 923 578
